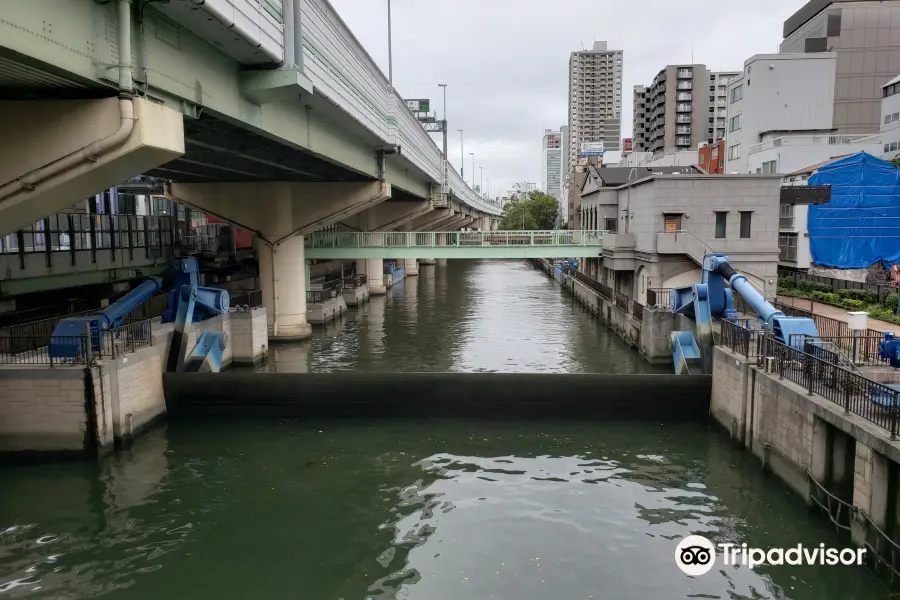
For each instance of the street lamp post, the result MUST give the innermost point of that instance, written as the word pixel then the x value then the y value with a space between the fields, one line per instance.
pixel 462 155
pixel 444 129
pixel 472 154
pixel 390 50
pixel 481 182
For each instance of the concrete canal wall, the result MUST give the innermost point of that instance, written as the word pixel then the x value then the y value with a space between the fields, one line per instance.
pixel 88 410
pixel 810 442
pixel 648 334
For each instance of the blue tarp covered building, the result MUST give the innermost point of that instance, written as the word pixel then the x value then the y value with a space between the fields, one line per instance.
pixel 861 225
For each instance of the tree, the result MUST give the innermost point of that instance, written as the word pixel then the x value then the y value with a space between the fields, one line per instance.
pixel 896 161
pixel 544 208
pixel 538 211
pixel 517 217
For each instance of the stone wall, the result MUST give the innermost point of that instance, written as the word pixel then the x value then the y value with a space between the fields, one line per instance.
pixel 249 337
pixel 43 409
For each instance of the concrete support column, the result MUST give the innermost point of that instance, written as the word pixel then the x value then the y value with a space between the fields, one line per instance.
pixel 878 507
pixel 373 269
pixel 411 266
pixel 442 262
pixel 841 460
pixel 821 451
pixel 427 261
pixel 282 277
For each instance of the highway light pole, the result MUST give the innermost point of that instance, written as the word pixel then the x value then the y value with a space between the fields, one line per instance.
pixel 462 155
pixel 444 128
pixel 390 50
pixel 481 183
pixel 472 154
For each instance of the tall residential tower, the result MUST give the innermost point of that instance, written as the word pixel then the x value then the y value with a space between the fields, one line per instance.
pixel 595 100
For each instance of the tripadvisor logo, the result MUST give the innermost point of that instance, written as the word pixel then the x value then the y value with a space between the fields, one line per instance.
pixel 696 555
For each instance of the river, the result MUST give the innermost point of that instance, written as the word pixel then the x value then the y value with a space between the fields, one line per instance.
pixel 430 510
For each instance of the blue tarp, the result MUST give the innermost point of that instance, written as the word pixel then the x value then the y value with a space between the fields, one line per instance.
pixel 861 225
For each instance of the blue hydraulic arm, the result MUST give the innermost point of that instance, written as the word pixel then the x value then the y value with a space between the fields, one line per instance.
pixel 711 299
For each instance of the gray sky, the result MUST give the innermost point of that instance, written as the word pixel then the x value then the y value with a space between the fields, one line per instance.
pixel 506 61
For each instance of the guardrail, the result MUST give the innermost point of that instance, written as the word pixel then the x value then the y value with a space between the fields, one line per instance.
pixel 743 339
pixel 125 339
pixel 658 298
pixel 400 239
pixel 815 140
pixel 319 296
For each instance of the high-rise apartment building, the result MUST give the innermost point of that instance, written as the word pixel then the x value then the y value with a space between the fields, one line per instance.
pixel 865 37
pixel 676 113
pixel 595 100
pixel 552 180
pixel 641 119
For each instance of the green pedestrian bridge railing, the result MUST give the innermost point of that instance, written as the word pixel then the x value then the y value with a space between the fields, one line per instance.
pixel 454 244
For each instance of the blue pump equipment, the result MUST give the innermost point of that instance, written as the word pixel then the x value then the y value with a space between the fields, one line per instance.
pixel 711 299
pixel 188 303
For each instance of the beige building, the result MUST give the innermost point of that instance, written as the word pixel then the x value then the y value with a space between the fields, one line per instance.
pixel 595 100
pixel 865 37
pixel 666 223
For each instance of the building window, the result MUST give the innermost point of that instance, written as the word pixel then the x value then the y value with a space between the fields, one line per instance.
pixel 833 26
pixel 769 166
pixel 737 93
pixel 610 225
pixel 734 152
pixel 715 153
pixel 721 218
pixel 745 223
pixel 672 223
pixel 735 123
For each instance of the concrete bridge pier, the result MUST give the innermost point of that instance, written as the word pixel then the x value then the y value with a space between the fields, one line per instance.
pixel 411 266
pixel 373 269
pixel 442 262
pixel 280 214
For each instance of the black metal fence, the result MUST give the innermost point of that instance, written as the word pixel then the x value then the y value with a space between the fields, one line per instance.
pixel 881 290
pixel 637 310
pixel 863 350
pixel 630 307
pixel 838 331
pixel 740 337
pixel 246 299
pixel 352 283
pixel 623 303
pixel 319 296
pixel 108 343
pixel 873 401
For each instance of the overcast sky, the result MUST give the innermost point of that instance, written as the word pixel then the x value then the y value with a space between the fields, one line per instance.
pixel 506 61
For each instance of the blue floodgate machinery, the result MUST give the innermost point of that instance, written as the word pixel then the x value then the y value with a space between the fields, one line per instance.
pixel 711 299
pixel 188 303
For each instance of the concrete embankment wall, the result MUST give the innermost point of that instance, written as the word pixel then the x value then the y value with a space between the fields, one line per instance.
pixel 83 411
pixel 648 335
pixel 806 439
pixel 512 395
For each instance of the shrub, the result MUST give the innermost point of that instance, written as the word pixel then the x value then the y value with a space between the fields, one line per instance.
pixel 853 304
pixel 864 296
pixel 813 286
pixel 786 283
pixel 891 302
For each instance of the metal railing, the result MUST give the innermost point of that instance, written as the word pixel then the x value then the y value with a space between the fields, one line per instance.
pixel 743 339
pixel 637 310
pixel 398 239
pixel 355 282
pixel 623 303
pixel 862 350
pixel 838 511
pixel 881 290
pixel 32 350
pixel 590 282
pixel 108 343
pixel 245 300
pixel 125 339
pixel 319 296
pixel 873 401
pixel 71 232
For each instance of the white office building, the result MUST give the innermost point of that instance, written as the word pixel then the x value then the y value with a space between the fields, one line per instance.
pixel 552 179
pixel 595 100
pixel 890 118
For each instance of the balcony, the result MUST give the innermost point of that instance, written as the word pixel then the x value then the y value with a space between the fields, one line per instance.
pixel 618 251
pixel 685 74
pixel 685 85
pixel 683 130
pixel 682 141
pixel 683 119
pixel 684 97
pixel 683 108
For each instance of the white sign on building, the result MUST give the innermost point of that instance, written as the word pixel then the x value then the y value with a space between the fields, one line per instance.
pixel 592 149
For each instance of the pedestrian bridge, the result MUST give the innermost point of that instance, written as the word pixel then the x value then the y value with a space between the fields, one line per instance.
pixel 348 245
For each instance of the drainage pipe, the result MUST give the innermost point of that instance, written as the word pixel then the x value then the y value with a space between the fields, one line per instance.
pixel 92 151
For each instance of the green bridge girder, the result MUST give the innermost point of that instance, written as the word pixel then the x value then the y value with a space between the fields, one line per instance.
pixel 454 244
